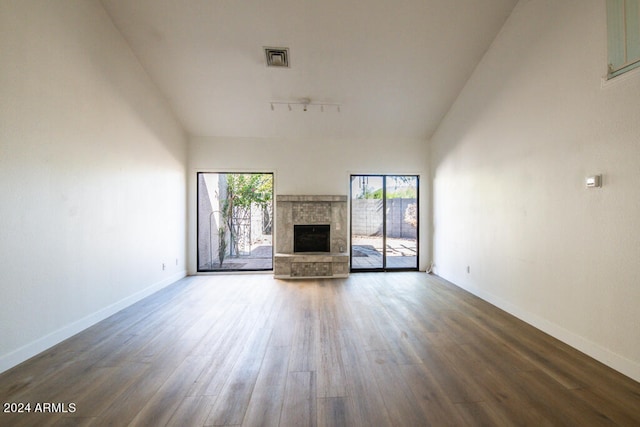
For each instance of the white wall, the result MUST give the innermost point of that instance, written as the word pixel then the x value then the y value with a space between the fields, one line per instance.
pixel 310 166
pixel 92 176
pixel 509 163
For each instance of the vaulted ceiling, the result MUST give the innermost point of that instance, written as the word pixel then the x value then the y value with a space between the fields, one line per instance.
pixel 393 67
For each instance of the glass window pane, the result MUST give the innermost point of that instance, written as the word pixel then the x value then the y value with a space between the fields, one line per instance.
pixel 366 222
pixel 402 222
pixel 235 212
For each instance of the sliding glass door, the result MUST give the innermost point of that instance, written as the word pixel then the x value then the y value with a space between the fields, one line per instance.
pixel 235 214
pixel 384 222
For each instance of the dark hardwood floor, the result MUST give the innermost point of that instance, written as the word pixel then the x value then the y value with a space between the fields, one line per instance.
pixel 376 349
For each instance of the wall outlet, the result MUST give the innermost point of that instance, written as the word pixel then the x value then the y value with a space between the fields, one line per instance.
pixel 594 181
pixel 163 266
pixel 468 269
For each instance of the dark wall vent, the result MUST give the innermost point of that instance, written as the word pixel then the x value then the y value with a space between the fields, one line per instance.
pixel 277 56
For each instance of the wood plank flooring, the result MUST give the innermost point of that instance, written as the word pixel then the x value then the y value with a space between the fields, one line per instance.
pixel 376 349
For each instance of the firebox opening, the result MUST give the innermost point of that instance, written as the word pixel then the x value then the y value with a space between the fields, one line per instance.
pixel 311 238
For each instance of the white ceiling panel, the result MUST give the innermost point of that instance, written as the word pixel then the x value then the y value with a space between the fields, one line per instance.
pixel 395 67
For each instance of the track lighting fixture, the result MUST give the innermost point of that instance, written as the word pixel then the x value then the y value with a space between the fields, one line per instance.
pixel 305 105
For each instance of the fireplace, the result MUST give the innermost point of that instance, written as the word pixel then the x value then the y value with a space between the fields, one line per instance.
pixel 311 238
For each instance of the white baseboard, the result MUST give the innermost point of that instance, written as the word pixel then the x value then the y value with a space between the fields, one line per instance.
pixel 615 361
pixel 27 351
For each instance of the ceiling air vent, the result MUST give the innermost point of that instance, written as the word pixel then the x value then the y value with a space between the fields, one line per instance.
pixel 277 56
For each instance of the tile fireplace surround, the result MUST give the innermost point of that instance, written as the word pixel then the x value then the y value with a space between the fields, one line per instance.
pixel 311 210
